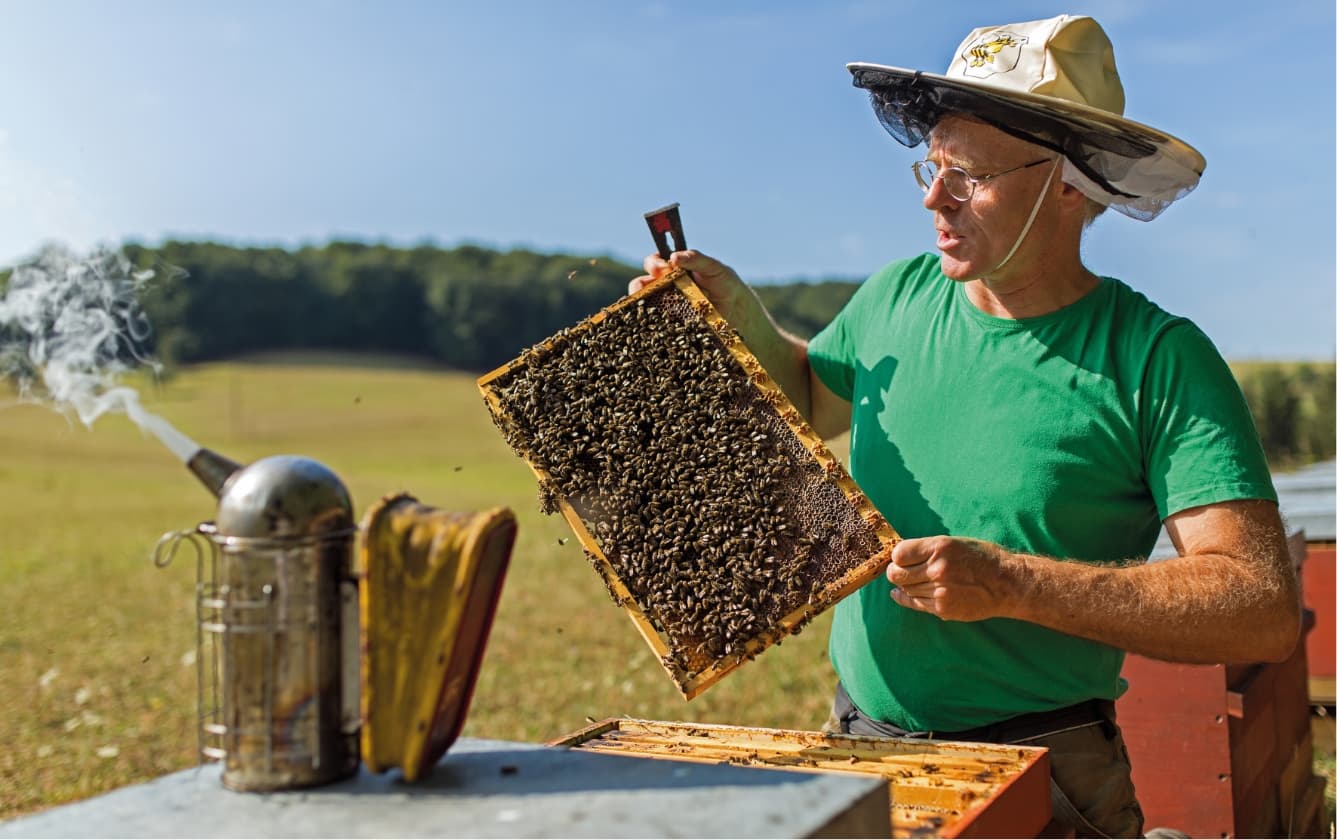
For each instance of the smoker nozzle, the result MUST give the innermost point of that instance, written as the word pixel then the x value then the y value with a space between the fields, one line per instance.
pixel 212 469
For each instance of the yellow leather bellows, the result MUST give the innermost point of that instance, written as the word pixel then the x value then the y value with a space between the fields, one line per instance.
pixel 430 580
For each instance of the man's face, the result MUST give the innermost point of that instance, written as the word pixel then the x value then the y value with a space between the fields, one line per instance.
pixel 974 236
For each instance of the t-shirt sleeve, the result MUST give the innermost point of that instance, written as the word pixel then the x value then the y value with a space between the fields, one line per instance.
pixel 1201 443
pixel 831 353
pixel 834 352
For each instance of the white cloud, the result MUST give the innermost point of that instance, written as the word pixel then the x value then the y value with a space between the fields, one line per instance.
pixel 1229 200
pixel 852 247
pixel 38 206
pixel 1180 52
pixel 147 100
pixel 231 33
pixel 1114 12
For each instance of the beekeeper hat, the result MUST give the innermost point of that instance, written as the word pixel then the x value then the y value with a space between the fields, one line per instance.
pixel 1052 83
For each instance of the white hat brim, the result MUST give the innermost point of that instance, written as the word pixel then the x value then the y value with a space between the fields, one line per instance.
pixel 1083 116
pixel 1132 167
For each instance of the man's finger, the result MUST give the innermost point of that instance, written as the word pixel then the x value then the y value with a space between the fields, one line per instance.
pixel 905 599
pixel 689 259
pixel 910 553
pixel 923 589
pixel 696 262
pixel 907 576
pixel 638 283
pixel 655 265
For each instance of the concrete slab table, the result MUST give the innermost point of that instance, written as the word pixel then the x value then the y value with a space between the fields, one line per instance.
pixel 484 788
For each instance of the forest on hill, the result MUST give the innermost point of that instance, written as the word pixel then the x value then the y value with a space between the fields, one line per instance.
pixel 473 308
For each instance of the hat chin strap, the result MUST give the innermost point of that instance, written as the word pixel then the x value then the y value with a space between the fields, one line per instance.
pixel 1034 210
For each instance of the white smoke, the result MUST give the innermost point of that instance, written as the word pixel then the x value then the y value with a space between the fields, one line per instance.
pixel 70 327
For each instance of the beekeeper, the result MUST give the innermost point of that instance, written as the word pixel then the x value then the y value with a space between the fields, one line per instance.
pixel 1029 426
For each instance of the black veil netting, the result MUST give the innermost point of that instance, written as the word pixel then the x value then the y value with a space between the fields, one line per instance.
pixel 1132 168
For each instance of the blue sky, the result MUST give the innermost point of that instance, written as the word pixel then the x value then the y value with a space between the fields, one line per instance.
pixel 555 126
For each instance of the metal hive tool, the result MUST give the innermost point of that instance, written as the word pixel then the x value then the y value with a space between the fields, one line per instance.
pixel 716 517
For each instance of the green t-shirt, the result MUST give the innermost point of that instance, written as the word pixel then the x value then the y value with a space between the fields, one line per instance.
pixel 1070 435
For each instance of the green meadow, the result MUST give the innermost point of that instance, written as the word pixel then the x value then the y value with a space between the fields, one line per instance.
pixel 97 643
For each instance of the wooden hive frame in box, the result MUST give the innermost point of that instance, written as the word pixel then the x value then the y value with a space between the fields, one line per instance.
pixel 715 515
pixel 937 788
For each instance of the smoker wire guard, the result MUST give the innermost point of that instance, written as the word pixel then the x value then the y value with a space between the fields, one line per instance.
pixel 692 683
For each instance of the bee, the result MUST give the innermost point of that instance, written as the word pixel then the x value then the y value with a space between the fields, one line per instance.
pixel 982 54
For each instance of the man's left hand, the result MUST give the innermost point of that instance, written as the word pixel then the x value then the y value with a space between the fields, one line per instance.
pixel 953 578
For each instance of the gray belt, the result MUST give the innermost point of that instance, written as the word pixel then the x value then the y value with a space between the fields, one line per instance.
pixel 1013 730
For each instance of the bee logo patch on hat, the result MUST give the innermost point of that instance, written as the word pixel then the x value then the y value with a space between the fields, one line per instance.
pixel 996 52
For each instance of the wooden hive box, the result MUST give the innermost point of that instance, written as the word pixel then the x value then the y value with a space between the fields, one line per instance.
pixel 716 517
pixel 1320 584
pixel 937 788
pixel 1225 750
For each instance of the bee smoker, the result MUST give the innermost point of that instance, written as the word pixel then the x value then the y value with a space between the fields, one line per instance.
pixel 277 630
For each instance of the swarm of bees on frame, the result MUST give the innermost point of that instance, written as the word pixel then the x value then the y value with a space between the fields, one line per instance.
pixel 689 477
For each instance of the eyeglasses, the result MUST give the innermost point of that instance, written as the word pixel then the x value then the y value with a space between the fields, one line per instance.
pixel 960 184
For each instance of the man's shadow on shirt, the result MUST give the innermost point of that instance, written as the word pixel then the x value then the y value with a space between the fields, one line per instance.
pixel 877 454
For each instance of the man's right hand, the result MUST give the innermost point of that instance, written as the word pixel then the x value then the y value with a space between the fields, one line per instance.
pixel 716 280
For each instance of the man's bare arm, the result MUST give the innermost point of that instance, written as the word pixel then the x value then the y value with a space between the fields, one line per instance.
pixel 1231 596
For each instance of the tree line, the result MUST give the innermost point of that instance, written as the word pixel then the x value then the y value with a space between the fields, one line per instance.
pixel 1294 406
pixel 468 308
pixel 473 308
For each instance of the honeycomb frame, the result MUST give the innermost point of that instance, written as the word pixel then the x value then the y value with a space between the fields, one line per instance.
pixel 695 672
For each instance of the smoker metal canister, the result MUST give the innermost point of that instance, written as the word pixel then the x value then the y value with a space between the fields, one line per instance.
pixel 278 628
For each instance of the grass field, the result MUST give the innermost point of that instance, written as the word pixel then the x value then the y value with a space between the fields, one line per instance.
pixel 96 641
pixel 96 644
